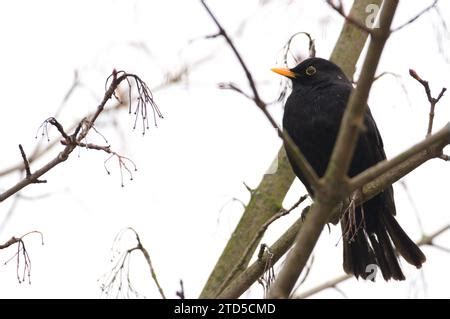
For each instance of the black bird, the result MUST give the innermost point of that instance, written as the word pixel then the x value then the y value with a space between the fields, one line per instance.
pixel 312 116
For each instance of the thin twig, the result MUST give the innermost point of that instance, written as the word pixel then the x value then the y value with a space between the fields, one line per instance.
pixel 433 101
pixel 27 167
pixel 123 161
pixel 25 161
pixel 38 152
pixel 150 265
pixel 399 80
pixel 339 8
pixel 121 270
pixel 417 16
pixel 223 33
pixel 233 87
pixel 21 254
pixel 180 293
pixel 307 272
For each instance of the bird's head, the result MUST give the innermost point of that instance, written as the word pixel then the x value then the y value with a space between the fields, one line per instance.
pixel 313 72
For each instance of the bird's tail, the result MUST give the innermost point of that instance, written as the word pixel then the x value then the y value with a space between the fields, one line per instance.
pixel 369 236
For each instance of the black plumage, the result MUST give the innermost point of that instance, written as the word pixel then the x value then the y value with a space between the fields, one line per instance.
pixel 312 117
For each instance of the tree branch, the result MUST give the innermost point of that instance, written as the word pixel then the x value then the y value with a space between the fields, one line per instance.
pixel 38 152
pixel 120 272
pixel 417 16
pixel 433 101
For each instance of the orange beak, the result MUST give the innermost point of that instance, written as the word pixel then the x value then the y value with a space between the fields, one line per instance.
pixel 285 72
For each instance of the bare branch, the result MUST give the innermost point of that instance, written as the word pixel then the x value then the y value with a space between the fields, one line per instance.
pixel 232 86
pixel 307 272
pixel 38 152
pixel 417 16
pixel 27 167
pixel 433 101
pixel 223 33
pixel 25 161
pixel 399 80
pixel 339 8
pixel 326 285
pixel 180 293
pixel 123 161
pixel 145 99
pixel 120 272
pixel 413 205
pixel 21 254
pixel 150 265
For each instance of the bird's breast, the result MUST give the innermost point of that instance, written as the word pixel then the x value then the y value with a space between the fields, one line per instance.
pixel 312 118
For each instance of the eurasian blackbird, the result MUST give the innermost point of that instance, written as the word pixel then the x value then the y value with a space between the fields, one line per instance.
pixel 312 116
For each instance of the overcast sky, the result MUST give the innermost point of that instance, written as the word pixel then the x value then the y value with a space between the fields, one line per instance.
pixel 211 141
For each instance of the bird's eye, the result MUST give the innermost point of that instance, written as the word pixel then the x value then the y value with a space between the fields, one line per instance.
pixel 310 70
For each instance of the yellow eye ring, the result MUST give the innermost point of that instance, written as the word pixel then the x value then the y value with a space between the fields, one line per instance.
pixel 310 70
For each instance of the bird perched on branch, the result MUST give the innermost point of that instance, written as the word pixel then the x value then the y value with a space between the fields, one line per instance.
pixel 312 117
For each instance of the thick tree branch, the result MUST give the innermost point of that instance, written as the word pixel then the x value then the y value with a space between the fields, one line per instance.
pixel 339 8
pixel 22 258
pixel 38 152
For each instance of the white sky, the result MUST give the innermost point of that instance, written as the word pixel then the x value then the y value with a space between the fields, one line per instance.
pixel 208 144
